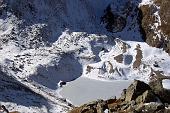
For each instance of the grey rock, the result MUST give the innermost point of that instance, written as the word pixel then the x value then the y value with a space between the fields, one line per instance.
pixel 147 96
pixel 123 94
pixel 135 89
pixel 151 107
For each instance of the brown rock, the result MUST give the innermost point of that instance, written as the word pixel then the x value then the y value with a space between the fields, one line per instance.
pixel 75 110
pixel 153 107
pixel 135 89
pixel 148 20
pixel 157 87
pixel 101 106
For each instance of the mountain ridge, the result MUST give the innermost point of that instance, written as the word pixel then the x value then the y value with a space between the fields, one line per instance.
pixel 43 42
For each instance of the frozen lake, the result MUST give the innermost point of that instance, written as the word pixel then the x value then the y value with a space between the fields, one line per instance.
pixel 166 84
pixel 84 90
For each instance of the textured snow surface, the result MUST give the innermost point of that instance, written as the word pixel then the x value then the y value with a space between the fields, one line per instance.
pixel 111 69
pixel 43 42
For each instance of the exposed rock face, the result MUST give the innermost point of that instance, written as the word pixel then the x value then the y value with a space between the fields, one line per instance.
pixel 140 92
pixel 136 89
pixel 113 21
pixel 115 18
pixel 158 89
pixel 139 56
pixel 156 24
pixel 137 98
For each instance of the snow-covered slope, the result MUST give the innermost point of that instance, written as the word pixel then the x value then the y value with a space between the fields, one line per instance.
pixel 45 41
pixel 129 60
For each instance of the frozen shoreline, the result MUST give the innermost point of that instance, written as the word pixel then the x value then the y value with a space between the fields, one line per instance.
pixel 84 90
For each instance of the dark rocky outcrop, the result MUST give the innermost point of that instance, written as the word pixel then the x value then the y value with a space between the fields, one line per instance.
pixel 157 35
pixel 157 86
pixel 139 97
pixel 114 22
pixel 115 18
pixel 136 89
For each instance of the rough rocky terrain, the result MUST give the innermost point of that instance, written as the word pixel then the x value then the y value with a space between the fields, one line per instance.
pixel 156 24
pixel 139 97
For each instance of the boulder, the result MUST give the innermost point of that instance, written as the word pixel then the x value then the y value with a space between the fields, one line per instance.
pixel 157 87
pixel 147 96
pixel 135 89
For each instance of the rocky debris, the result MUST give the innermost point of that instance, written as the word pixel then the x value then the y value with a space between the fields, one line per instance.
pixel 3 109
pixel 92 107
pixel 151 108
pixel 155 23
pixel 139 97
pixel 61 83
pixel 89 68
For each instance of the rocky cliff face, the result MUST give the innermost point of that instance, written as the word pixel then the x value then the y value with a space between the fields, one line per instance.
pixel 156 23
